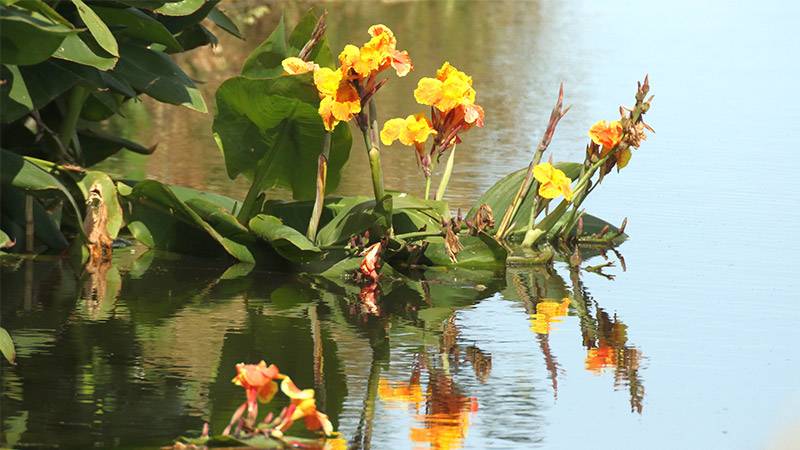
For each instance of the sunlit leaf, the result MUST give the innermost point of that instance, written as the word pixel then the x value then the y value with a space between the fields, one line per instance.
pixel 7 346
pixel 97 27
pixel 288 242
pixel 139 25
pixel 29 38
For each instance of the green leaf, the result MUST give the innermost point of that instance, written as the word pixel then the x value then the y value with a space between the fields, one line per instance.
pixel 29 38
pixel 99 145
pixel 155 74
pixel 5 241
pixel 23 174
pixel 32 87
pixel 196 36
pixel 180 8
pixel 97 28
pixel 499 196
pixel 44 9
pixel 265 60
pixel 270 130
pixel 14 94
pixel 140 26
pixel 159 219
pixel 356 217
pixel 80 49
pixel 7 346
pixel 221 20
pixel 288 242
pixel 479 251
pixel 109 192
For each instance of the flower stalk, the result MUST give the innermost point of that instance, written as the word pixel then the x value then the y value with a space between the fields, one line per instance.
pixel 322 178
pixel 448 170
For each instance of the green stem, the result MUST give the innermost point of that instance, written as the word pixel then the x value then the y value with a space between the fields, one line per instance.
pixel 77 97
pixel 429 178
pixel 250 203
pixel 319 199
pixel 374 153
pixel 448 170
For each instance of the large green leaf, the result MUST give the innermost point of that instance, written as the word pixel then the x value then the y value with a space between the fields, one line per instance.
pixel 287 242
pixel 23 174
pixel 139 25
pixel 356 217
pixel 155 74
pixel 7 346
pixel 29 38
pixel 269 130
pixel 159 219
pixel 83 50
pixel 98 29
pixel 265 60
pixel 499 196
pixel 44 9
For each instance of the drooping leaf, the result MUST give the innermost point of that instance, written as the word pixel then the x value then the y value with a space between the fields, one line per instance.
pixel 269 130
pixel 7 346
pixel 355 218
pixel 499 196
pixel 29 38
pixel 155 74
pixel 98 145
pixel 176 24
pixel 288 242
pixel 108 191
pixel 44 9
pixel 97 28
pixel 159 219
pixel 82 50
pixel 139 25
pixel 195 36
pixel 23 174
pixel 223 21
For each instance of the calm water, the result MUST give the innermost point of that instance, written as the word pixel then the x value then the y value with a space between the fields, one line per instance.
pixel 694 346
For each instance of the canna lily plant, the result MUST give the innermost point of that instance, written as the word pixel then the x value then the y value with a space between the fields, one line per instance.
pixel 285 123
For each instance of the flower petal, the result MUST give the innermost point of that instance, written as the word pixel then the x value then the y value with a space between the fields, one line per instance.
pixel 428 91
pixel 391 130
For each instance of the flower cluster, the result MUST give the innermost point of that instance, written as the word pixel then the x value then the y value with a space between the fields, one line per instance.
pixel 453 111
pixel 260 386
pixel 345 90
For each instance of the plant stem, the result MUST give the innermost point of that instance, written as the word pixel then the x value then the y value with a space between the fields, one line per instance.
pixel 77 97
pixel 374 153
pixel 322 178
pixel 448 170
pixel 508 217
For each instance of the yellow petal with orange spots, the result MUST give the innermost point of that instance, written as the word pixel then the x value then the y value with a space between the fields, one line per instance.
pixel 327 80
pixel 296 66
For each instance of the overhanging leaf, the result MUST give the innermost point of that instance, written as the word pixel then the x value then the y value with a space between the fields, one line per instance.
pixel 97 27
pixel 221 20
pixel 139 25
pixel 7 346
pixel 29 38
pixel 82 50
pixel 108 191
pixel 180 8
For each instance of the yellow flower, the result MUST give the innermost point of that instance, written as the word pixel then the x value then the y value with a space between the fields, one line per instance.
pixel 327 80
pixel 411 130
pixel 451 88
pixel 296 66
pixel 548 311
pixel 606 134
pixel 342 105
pixel 552 182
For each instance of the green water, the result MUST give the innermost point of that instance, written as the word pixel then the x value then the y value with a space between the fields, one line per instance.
pixel 693 346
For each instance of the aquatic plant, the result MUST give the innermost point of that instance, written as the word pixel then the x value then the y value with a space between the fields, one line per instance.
pixel 284 122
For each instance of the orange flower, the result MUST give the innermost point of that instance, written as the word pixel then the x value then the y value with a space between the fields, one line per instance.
pixel 601 357
pixel 378 54
pixel 258 381
pixel 371 262
pixel 606 134
pixel 400 392
pixel 304 407
pixel 342 105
